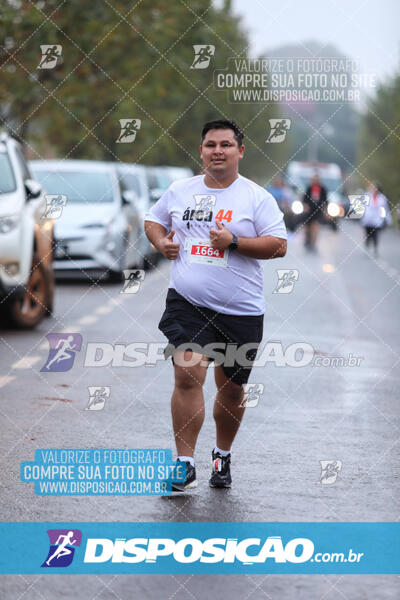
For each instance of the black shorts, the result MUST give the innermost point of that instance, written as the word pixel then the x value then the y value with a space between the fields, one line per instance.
pixel 185 323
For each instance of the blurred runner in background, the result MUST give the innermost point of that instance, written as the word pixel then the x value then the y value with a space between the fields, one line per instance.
pixel 376 216
pixel 315 203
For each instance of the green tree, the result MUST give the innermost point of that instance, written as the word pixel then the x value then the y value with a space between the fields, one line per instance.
pixel 123 60
pixel 321 131
pixel 379 141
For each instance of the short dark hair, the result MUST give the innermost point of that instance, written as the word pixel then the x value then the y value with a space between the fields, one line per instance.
pixel 224 124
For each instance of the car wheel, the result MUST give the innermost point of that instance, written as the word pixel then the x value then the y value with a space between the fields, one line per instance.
pixel 28 310
pixel 115 276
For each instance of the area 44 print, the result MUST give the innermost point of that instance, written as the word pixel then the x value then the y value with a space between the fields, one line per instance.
pixel 220 216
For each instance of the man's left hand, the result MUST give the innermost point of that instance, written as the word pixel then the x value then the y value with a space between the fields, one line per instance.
pixel 221 237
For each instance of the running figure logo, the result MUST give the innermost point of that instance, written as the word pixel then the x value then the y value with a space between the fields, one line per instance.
pixel 54 206
pixel 358 202
pixel 252 393
pixel 129 129
pixel 97 397
pixel 279 129
pixel 286 280
pixel 204 204
pixel 330 470
pixel 62 351
pixel 133 279
pixel 202 56
pixel 50 54
pixel 62 547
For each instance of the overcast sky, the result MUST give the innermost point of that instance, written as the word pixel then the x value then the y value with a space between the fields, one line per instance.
pixel 367 30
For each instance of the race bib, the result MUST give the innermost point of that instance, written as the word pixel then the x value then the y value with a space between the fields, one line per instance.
pixel 199 250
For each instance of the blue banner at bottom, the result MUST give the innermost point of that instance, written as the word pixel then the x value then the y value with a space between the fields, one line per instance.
pixel 213 548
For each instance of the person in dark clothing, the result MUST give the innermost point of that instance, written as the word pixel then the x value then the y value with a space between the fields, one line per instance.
pixel 315 203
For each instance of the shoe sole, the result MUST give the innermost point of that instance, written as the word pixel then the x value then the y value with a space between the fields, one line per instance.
pixel 190 486
pixel 222 485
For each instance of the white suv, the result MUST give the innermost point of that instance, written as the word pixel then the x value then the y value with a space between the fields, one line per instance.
pixel 26 242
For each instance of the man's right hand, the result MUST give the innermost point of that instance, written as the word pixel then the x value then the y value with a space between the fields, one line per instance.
pixel 168 247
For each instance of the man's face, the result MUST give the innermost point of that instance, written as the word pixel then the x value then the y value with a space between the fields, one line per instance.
pixel 220 152
pixel 315 180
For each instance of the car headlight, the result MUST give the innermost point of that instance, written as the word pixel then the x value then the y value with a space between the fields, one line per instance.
pixel 297 207
pixel 333 209
pixel 9 223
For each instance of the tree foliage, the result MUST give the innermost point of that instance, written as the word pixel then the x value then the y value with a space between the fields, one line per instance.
pixel 321 131
pixel 379 142
pixel 123 60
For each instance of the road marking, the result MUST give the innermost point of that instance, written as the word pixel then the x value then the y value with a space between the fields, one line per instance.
pixel 104 310
pixel 88 320
pixel 115 301
pixel 4 379
pixel 26 362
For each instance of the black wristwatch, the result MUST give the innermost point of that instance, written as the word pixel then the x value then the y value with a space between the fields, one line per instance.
pixel 234 243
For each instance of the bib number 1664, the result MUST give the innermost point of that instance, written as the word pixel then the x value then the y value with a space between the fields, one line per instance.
pixel 207 251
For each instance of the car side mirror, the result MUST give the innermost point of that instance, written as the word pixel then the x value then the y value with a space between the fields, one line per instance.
pixel 129 197
pixel 33 188
pixel 155 194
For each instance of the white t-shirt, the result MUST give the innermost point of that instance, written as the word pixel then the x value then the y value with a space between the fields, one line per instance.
pixel 376 212
pixel 225 281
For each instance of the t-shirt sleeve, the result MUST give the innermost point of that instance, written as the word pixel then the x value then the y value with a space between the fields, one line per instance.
pixel 268 218
pixel 388 215
pixel 159 212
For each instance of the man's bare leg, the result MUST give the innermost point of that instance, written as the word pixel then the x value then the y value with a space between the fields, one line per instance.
pixel 228 413
pixel 187 403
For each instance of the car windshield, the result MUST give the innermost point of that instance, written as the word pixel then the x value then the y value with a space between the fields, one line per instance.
pixel 7 180
pixel 159 180
pixel 131 181
pixel 332 184
pixel 164 181
pixel 77 186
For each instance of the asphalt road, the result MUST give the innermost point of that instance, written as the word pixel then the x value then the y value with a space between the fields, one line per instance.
pixel 344 303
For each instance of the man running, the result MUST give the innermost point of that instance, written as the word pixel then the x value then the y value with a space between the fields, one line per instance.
pixel 215 293
pixel 315 203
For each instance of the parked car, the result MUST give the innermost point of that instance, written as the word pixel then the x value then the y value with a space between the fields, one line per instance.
pixel 179 172
pixel 133 177
pixel 160 178
pixel 99 228
pixel 26 241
